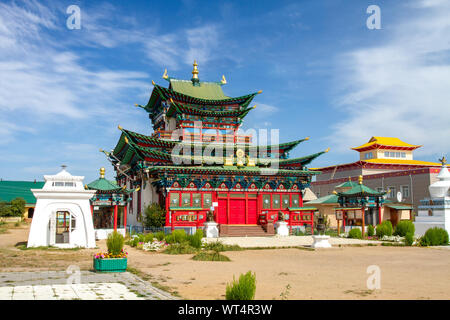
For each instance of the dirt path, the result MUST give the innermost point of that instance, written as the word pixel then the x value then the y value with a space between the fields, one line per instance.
pixel 406 273
pixel 338 273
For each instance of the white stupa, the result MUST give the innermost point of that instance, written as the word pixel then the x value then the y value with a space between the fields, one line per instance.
pixel 62 216
pixel 435 211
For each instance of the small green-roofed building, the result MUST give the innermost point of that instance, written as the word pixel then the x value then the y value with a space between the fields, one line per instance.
pixel 9 190
pixel 108 206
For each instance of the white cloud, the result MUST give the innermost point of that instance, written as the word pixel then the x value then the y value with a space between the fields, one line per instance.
pixel 400 88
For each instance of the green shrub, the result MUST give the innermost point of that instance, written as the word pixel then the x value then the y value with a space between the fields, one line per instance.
pixel 155 216
pixel 179 236
pixel 196 239
pixel 404 227
pixel 384 229
pixel 160 235
pixel 134 242
pixel 355 233
pixel 409 239
pixel 169 239
pixel 244 289
pixel 434 237
pixel 370 230
pixel 115 243
pixel 148 237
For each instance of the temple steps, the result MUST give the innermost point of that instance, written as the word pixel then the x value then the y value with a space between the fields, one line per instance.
pixel 243 231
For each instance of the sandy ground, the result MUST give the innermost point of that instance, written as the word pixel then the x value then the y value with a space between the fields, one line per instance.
pixel 337 273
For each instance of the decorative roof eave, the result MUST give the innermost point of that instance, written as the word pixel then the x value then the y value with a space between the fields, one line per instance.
pixel 387 147
pixel 232 170
pixel 146 141
pixel 301 161
pixel 165 94
pixel 188 109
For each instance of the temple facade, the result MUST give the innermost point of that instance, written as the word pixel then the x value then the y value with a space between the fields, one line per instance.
pixel 196 161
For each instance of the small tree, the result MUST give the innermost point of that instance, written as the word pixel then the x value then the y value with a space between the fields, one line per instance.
pixel 155 216
pixel 17 207
pixel 14 208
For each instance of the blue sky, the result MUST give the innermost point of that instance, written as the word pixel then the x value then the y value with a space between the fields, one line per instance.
pixel 323 73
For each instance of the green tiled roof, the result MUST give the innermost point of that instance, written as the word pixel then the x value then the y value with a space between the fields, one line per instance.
pixel 102 184
pixel 10 190
pixel 347 184
pixel 331 198
pixel 361 189
pixel 399 206
pixel 202 90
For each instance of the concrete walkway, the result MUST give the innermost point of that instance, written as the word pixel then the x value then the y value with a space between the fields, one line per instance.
pixel 291 241
pixel 85 285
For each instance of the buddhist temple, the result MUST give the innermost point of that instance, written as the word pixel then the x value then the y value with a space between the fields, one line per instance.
pixel 197 161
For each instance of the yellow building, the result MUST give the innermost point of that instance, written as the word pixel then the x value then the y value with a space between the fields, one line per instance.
pixel 386 163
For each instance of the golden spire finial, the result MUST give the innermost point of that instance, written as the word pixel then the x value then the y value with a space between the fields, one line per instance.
pixel 153 82
pixel 360 179
pixel 223 81
pixel 327 150
pixel 165 76
pixel 443 160
pixel 195 70
pixel 102 173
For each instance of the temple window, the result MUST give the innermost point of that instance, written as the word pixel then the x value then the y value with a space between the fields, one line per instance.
pixel 368 155
pixel 266 201
pixel 392 192
pixel 276 201
pixel 405 191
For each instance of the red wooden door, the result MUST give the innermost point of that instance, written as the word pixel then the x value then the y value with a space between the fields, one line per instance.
pixel 237 211
pixel 222 211
pixel 251 211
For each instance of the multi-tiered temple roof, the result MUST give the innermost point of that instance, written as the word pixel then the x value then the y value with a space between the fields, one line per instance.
pixel 196 132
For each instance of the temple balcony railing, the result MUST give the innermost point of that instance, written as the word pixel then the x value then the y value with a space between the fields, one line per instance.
pixel 208 138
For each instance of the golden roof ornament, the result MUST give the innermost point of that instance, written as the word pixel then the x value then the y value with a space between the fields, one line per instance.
pixel 195 72
pixel 360 179
pixel 102 173
pixel 165 75
pixel 443 160
pixel 223 81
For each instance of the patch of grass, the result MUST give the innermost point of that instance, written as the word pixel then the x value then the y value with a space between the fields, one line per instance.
pixel 393 244
pixel 210 256
pixel 219 246
pixel 362 293
pixel 23 246
pixel 180 248
pixel 165 288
